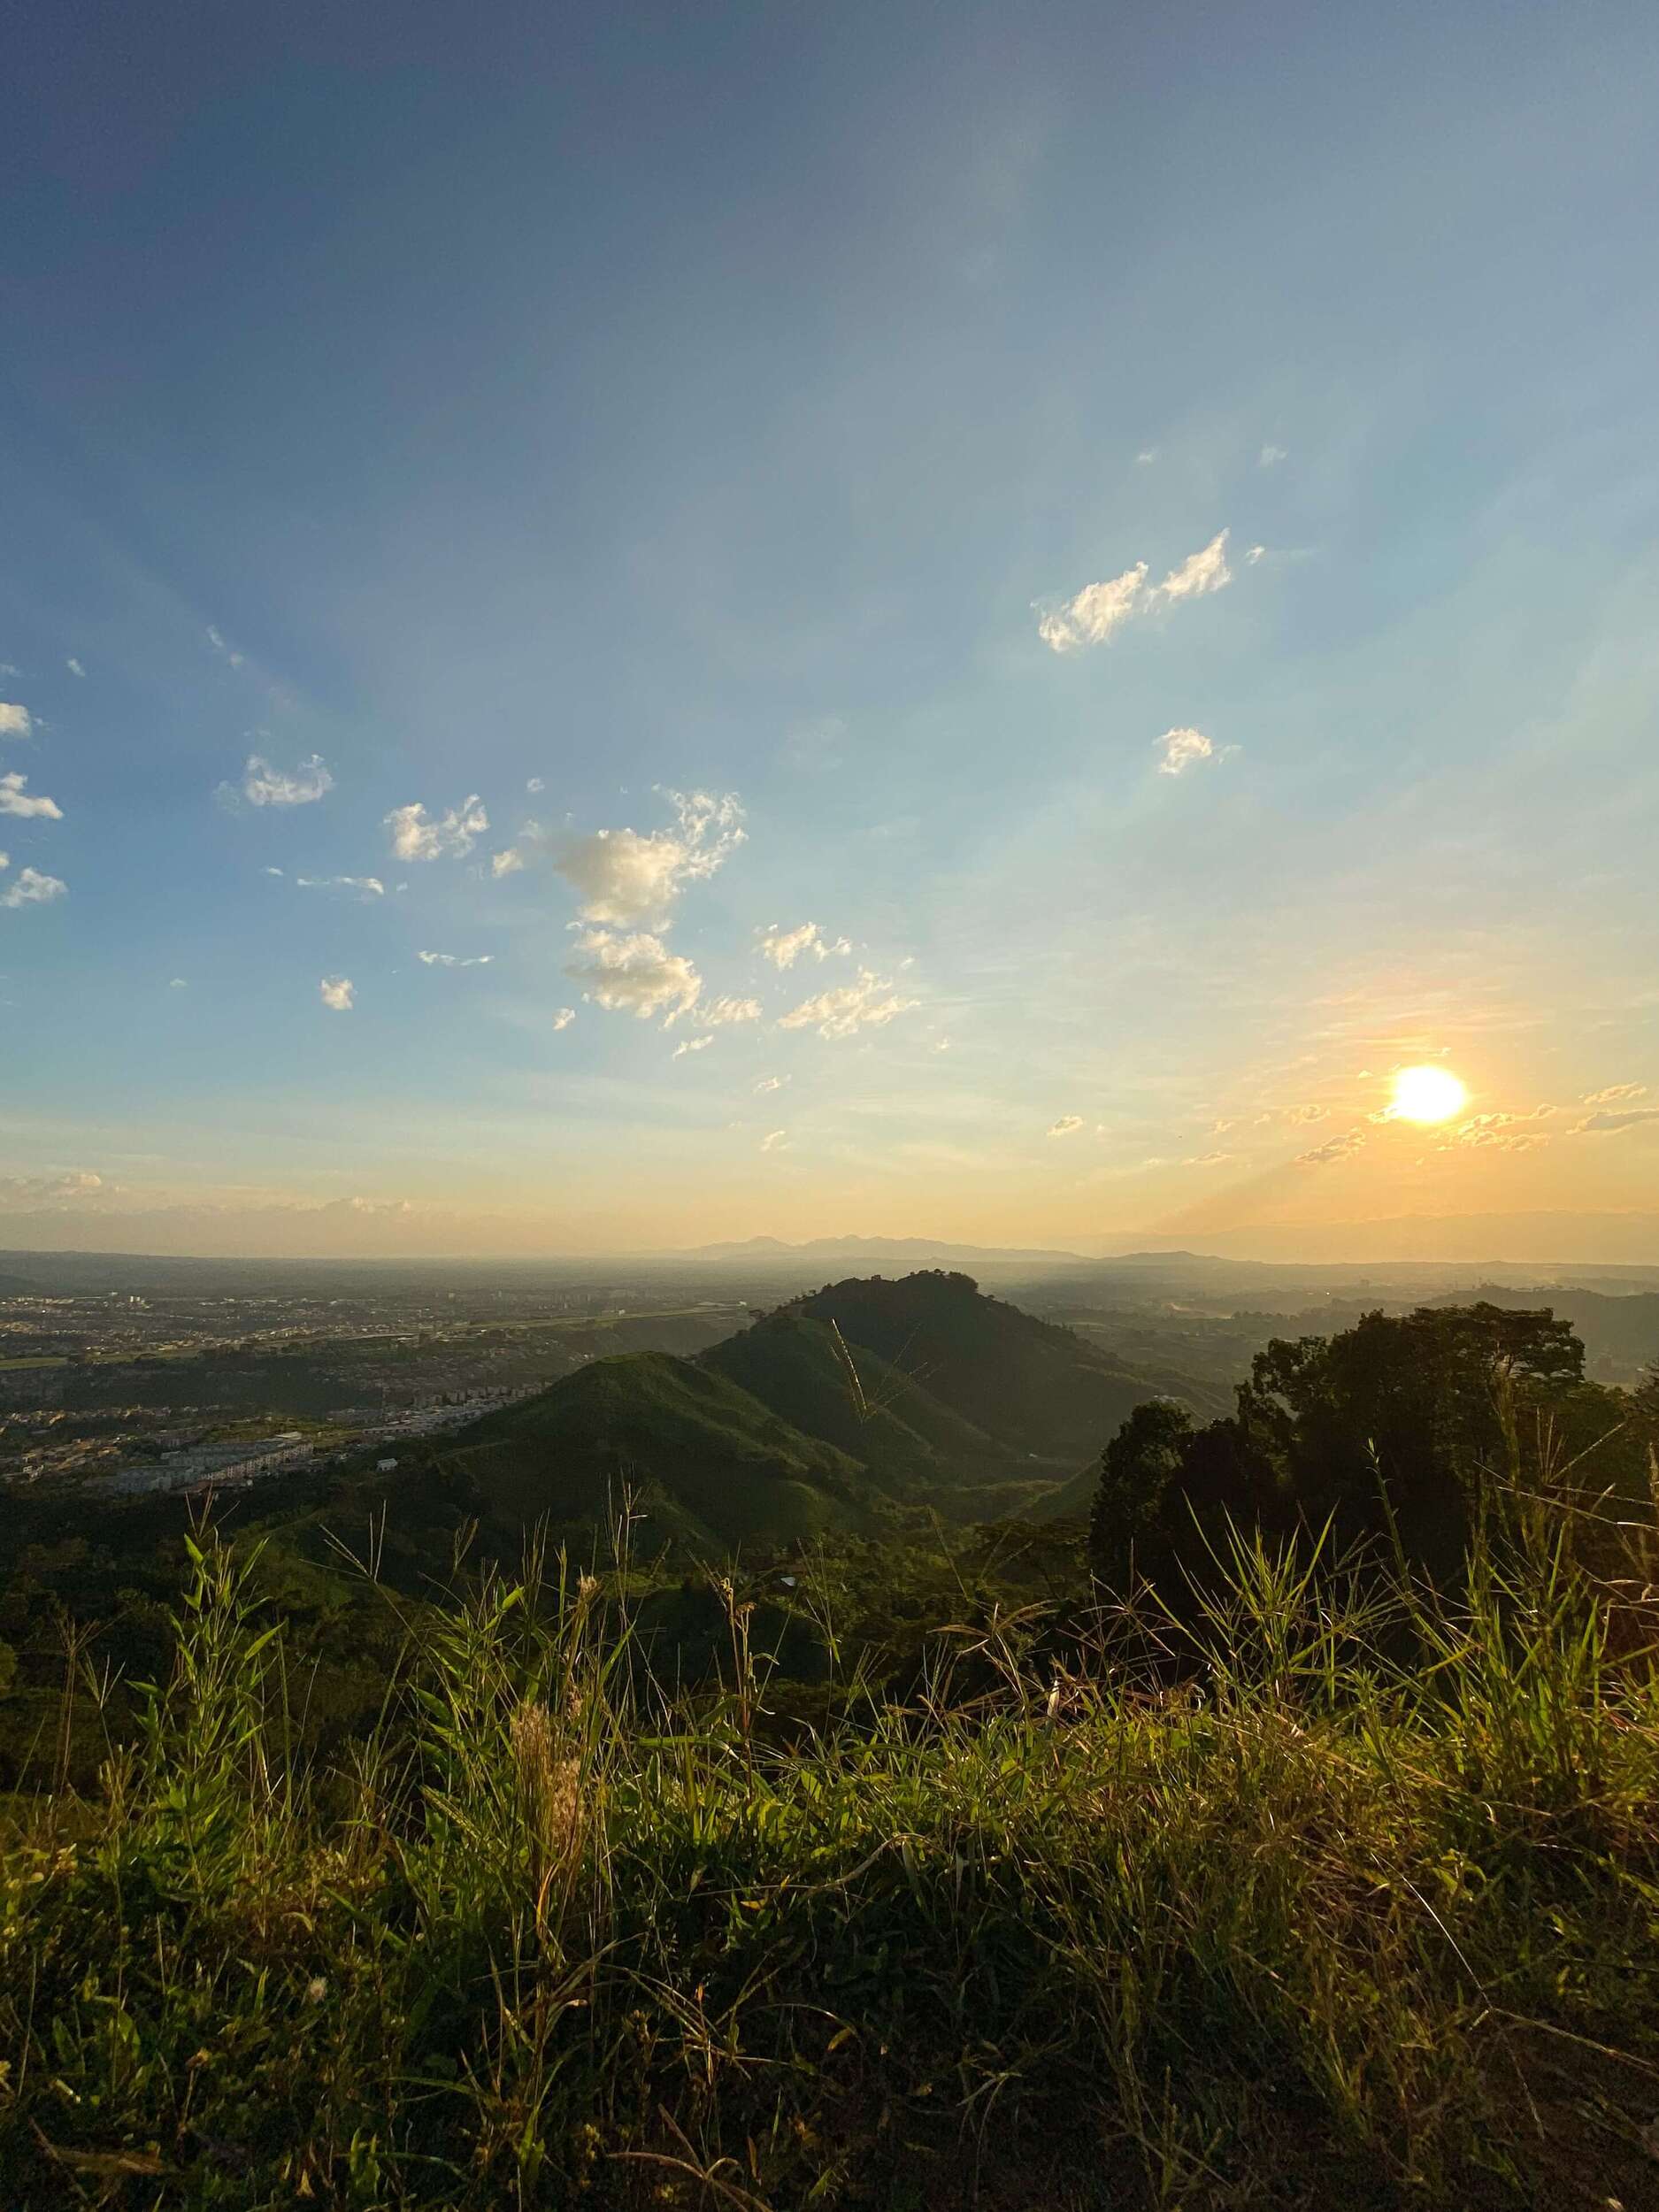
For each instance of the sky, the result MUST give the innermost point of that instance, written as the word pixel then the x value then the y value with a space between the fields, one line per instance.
pixel 628 626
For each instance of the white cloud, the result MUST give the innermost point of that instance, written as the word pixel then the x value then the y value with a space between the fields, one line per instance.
pixel 1145 457
pixel 416 835
pixel 784 947
pixel 1183 750
pixel 1253 554
pixel 274 871
pixel 262 785
pixel 1209 1159
pixel 454 960
pixel 563 1019
pixel 73 666
pixel 15 721
pixel 771 1083
pixel 636 975
pixel 691 1044
pixel 1298 1116
pixel 33 889
pixel 369 887
pixel 1067 1125
pixel 1199 573
pixel 1099 610
pixel 720 1011
pixel 1340 1148
pixel 1614 1093
pixel 775 1141
pixel 338 993
pixel 1601 1124
pixel 869 1003
pixel 178 984
pixel 14 800
pixel 534 783
pixel 1272 455
pixel 623 877
pixel 220 647
pixel 507 862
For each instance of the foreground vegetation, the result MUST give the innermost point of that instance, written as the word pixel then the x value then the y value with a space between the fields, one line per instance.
pixel 1329 1892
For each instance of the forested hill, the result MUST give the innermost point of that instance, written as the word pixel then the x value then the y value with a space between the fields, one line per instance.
pixel 863 1399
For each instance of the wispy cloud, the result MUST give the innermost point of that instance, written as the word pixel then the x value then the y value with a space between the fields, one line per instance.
pixel 73 666
pixel 366 886
pixel 338 993
pixel 1100 611
pixel 1199 574
pixel 1615 1094
pixel 1333 1149
pixel 869 1003
pixel 691 1044
pixel 771 1083
pixel 635 974
pixel 775 1141
pixel 32 889
pixel 262 785
pixel 26 1191
pixel 718 1013
pixel 1067 1125
pixel 454 960
pixel 417 835
pixel 1272 455
pixel 622 876
pixel 534 783
pixel 562 1018
pixel 1182 750
pixel 507 862
pixel 1608 1125
pixel 784 947
pixel 225 651
pixel 15 800
pixel 15 721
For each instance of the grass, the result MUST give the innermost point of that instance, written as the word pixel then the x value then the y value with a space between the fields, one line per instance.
pixel 1355 1906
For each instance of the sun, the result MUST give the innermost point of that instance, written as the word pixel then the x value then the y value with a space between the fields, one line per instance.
pixel 1426 1094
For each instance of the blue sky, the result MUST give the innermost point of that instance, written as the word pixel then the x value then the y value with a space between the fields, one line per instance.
pixel 747 403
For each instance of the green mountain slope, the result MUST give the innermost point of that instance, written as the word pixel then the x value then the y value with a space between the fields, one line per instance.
pixel 710 1463
pixel 901 1433
pixel 1031 1388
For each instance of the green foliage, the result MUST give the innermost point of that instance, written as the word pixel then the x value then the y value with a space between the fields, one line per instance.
pixel 1357 1911
pixel 1398 1431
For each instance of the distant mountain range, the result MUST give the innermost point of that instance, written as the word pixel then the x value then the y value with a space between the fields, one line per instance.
pixel 908 1251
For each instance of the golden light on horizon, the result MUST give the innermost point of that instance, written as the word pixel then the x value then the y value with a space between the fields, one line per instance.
pixel 1426 1094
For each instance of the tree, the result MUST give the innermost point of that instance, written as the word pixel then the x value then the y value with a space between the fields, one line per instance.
pixel 1141 1470
pixel 1388 1430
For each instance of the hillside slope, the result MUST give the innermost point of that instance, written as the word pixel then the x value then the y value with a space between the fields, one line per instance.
pixel 710 1463
pixel 900 1432
pixel 1032 1387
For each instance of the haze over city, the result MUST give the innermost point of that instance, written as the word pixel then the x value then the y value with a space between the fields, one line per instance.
pixel 1019 626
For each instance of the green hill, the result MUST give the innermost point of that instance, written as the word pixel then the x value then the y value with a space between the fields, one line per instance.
pixel 711 1466
pixel 904 1435
pixel 955 1401
pixel 1030 1387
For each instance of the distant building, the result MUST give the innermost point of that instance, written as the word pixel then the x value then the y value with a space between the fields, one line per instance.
pixel 386 1466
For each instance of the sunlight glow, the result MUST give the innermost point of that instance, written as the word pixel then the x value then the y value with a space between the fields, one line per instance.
pixel 1427 1094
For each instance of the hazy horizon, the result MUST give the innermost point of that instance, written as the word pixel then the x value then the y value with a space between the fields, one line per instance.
pixel 620 631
